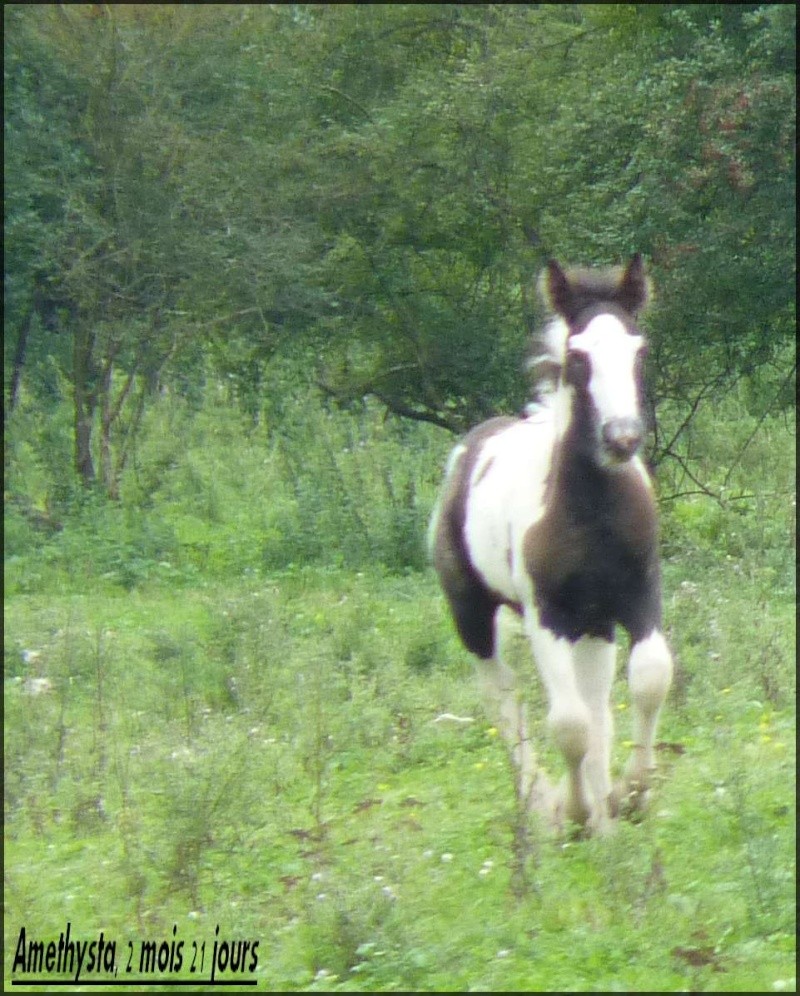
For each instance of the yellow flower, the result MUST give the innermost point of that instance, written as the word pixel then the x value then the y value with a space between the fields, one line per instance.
pixel 492 731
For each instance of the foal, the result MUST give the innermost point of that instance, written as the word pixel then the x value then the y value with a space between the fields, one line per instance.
pixel 552 517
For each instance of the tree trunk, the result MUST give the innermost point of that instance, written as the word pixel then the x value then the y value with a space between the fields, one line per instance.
pixel 19 361
pixel 106 471
pixel 85 400
pixel 110 412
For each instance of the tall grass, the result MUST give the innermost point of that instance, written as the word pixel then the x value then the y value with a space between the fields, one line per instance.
pixel 221 703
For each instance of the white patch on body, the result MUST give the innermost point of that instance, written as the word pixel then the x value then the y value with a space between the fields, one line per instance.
pixel 508 478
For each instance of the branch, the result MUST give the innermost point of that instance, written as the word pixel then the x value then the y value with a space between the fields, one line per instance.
pixel 393 405
pixel 703 489
pixel 350 100
pixel 399 408
pixel 667 448
pixel 760 422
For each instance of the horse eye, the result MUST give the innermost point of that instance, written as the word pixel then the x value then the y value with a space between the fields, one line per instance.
pixel 576 369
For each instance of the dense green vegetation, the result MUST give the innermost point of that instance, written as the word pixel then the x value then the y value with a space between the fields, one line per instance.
pixel 197 192
pixel 259 261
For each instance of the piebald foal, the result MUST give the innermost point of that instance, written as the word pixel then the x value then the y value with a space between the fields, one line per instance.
pixel 552 517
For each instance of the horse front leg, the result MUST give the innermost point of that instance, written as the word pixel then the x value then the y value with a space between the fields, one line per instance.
pixel 595 664
pixel 569 721
pixel 649 678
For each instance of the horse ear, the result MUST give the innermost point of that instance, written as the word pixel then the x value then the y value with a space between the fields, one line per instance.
pixel 557 290
pixel 633 292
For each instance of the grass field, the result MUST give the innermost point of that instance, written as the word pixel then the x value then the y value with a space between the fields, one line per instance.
pixel 223 744
pixel 265 758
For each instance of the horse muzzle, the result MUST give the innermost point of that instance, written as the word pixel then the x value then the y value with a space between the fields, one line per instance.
pixel 622 438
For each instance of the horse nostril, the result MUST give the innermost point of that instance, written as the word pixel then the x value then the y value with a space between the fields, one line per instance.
pixel 623 437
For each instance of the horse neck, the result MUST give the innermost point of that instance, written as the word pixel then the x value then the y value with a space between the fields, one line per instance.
pixel 579 478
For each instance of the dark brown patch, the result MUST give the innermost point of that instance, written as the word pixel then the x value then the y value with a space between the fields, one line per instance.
pixel 593 555
pixel 366 804
pixel 698 957
pixel 472 603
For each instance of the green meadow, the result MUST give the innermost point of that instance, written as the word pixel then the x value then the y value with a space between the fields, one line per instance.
pixel 211 743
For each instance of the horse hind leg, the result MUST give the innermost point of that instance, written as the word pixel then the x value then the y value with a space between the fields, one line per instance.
pixel 649 678
pixel 507 711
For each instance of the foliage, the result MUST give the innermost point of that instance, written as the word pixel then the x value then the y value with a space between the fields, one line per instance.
pixel 198 192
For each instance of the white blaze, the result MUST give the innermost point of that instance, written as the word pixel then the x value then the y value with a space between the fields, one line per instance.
pixel 612 352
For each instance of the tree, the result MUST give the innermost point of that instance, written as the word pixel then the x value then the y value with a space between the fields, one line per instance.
pixel 371 191
pixel 510 134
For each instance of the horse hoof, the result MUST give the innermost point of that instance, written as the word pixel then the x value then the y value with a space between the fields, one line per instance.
pixel 629 800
